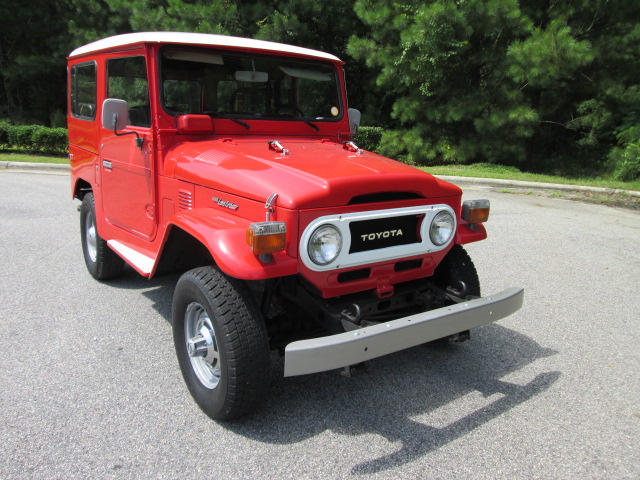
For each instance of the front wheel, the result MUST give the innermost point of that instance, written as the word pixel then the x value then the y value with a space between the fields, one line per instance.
pixel 221 343
pixel 457 275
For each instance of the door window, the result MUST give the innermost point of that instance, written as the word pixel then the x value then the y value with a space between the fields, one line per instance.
pixel 127 80
pixel 83 91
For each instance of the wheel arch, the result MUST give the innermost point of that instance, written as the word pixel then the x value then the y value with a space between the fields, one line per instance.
pixel 80 188
pixel 200 237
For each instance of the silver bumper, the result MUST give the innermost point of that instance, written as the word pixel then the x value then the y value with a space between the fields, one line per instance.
pixel 350 348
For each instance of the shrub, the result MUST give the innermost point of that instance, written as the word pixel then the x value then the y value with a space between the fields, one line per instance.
pixel 52 140
pixel 21 136
pixel 626 162
pixel 368 138
pixel 33 138
pixel 4 134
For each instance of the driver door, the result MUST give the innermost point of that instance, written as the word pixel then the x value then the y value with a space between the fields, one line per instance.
pixel 128 196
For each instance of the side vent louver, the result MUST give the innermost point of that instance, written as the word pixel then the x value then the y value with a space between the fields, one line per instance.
pixel 185 201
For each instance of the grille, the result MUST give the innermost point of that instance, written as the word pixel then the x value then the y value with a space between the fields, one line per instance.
pixel 379 233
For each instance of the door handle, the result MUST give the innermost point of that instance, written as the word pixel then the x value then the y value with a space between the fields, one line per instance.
pixel 106 164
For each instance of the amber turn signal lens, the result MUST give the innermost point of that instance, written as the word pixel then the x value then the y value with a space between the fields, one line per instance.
pixel 267 237
pixel 475 211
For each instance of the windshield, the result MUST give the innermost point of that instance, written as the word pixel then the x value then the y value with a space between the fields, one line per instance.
pixel 248 86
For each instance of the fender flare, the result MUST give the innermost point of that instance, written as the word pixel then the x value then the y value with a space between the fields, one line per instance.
pixel 224 236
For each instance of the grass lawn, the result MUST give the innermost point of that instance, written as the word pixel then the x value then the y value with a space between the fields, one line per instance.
pixel 485 170
pixel 478 170
pixel 34 158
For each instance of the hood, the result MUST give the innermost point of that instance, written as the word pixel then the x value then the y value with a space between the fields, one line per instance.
pixel 315 173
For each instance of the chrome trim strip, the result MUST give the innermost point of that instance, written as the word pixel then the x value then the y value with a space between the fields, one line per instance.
pixel 350 348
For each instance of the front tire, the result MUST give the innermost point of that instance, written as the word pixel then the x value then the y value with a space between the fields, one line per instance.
pixel 221 343
pixel 457 272
pixel 102 262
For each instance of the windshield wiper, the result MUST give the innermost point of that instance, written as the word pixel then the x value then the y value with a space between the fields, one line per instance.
pixel 222 115
pixel 239 122
pixel 312 125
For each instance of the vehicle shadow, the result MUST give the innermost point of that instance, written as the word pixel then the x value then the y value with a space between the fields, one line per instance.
pixel 157 289
pixel 409 398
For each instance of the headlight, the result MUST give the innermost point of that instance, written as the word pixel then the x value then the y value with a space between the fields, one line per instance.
pixel 324 245
pixel 441 229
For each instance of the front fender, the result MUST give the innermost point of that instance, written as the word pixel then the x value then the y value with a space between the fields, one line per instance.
pixel 467 235
pixel 224 236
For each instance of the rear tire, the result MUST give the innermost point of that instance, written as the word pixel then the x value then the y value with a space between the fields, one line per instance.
pixel 102 262
pixel 221 343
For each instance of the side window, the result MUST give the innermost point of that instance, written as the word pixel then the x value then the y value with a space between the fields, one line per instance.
pixel 83 91
pixel 127 80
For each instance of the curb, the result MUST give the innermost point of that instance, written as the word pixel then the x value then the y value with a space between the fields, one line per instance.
pixel 41 167
pixel 492 182
pixel 497 182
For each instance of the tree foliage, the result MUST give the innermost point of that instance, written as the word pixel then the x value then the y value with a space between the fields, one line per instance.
pixel 546 85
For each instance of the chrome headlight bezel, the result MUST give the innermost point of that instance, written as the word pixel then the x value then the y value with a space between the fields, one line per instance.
pixel 442 228
pixel 325 245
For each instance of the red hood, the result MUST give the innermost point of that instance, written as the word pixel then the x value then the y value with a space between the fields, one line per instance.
pixel 316 174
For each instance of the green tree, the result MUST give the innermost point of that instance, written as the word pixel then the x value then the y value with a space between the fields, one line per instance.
pixel 528 83
pixel 201 16
pixel 33 47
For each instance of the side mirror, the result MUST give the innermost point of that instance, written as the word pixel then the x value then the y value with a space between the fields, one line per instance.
pixel 115 114
pixel 354 120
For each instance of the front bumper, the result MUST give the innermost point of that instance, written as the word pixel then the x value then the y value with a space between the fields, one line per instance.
pixel 350 348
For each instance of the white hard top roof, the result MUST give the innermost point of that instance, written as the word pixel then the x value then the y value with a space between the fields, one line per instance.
pixel 196 39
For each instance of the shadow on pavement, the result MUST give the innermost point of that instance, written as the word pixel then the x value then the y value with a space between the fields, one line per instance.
pixel 423 382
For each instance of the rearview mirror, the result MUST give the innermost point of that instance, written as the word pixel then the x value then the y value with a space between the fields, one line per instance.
pixel 115 114
pixel 251 76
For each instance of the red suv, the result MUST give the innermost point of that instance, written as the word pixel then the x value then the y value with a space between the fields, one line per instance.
pixel 232 161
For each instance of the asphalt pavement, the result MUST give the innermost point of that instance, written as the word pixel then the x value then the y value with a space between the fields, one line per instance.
pixel 90 386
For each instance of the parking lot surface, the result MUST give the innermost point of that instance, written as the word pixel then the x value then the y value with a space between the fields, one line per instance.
pixel 90 386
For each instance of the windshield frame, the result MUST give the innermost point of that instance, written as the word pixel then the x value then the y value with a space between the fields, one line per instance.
pixel 287 60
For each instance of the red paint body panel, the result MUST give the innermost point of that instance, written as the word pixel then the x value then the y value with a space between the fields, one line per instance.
pixel 224 236
pixel 316 174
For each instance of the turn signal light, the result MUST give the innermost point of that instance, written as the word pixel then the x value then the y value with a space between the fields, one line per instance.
pixel 267 237
pixel 475 211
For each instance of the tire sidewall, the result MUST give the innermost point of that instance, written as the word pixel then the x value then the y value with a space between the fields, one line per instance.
pixel 455 267
pixel 88 207
pixel 210 400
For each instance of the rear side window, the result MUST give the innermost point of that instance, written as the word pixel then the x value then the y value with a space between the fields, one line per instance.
pixel 83 91
pixel 127 80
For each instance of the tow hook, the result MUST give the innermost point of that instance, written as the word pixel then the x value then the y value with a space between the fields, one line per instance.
pixel 354 370
pixel 351 317
pixel 459 337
